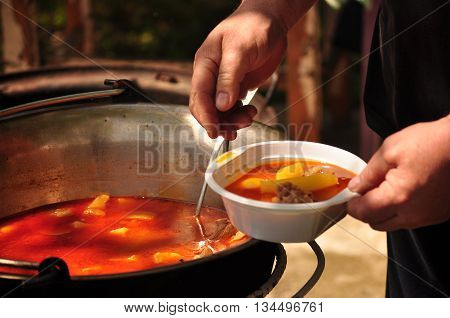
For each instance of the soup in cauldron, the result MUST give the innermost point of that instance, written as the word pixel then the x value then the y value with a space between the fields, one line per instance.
pixel 110 235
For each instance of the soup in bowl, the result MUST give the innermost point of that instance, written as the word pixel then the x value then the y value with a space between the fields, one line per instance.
pixel 284 191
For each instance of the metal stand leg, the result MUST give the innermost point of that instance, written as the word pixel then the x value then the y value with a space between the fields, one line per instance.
pixel 281 262
pixel 317 273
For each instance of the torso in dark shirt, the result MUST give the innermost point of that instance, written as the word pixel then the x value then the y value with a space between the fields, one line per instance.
pixel 408 81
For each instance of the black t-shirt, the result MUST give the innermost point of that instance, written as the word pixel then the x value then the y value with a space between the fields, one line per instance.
pixel 408 81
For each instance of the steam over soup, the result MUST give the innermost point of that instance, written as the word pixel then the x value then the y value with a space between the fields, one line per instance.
pixel 292 181
pixel 116 234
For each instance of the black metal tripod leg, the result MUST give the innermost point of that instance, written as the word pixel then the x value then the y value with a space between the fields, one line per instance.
pixel 317 273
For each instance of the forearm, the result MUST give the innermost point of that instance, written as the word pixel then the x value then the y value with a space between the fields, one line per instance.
pixel 286 12
pixel 445 136
pixel 446 119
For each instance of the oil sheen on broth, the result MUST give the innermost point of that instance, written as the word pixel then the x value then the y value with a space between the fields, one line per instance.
pixel 111 235
pixel 292 181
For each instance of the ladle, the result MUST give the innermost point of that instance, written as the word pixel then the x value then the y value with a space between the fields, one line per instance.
pixel 217 145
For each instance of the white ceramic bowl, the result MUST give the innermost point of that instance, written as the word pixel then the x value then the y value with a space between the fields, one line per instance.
pixel 277 222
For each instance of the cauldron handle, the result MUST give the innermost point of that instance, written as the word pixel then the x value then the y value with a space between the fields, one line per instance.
pixel 280 266
pixel 119 87
pixel 52 271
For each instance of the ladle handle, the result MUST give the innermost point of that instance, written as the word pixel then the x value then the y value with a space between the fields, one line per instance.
pixel 217 145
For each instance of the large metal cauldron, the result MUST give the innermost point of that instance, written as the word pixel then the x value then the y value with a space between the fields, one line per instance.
pixel 76 148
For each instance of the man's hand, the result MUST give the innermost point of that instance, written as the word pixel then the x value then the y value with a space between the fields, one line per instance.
pixel 406 183
pixel 238 55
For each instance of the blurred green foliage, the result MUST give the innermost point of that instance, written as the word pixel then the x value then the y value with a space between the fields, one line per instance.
pixel 337 4
pixel 139 29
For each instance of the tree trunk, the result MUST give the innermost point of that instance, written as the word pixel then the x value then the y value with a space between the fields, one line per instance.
pixel 79 30
pixel 20 43
pixel 369 141
pixel 304 114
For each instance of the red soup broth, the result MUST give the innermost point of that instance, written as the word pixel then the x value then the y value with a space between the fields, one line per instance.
pixel 269 169
pixel 132 234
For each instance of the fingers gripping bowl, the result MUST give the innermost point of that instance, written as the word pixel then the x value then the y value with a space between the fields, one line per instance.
pixel 275 221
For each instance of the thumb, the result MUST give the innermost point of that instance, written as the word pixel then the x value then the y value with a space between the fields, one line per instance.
pixel 372 176
pixel 231 73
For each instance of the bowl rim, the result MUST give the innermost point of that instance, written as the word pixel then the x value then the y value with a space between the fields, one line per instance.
pixel 342 197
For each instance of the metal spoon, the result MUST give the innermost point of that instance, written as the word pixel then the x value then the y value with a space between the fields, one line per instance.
pixel 217 145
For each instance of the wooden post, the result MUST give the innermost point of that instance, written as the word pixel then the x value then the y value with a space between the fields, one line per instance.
pixel 79 30
pixel 303 78
pixel 20 43
pixel 369 141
